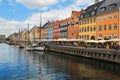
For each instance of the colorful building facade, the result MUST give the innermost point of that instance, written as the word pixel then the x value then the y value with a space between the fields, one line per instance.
pixel 64 28
pixel 87 21
pixel 99 21
pixel 24 35
pixel 34 34
pixel 108 24
pixel 50 30
pixel 73 28
pixel 56 30
pixel 45 28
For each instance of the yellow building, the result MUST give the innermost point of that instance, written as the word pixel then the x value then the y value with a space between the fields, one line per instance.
pixel 24 35
pixel 87 22
pixel 42 33
pixel 34 34
pixel 108 20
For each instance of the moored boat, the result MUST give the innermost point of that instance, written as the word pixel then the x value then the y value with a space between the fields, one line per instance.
pixel 29 48
pixel 35 47
pixel 39 48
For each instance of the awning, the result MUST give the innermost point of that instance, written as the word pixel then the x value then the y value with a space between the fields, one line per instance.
pixel 90 41
pixel 113 40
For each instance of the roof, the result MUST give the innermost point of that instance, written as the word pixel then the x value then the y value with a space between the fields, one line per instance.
pixel 89 9
pixel 106 5
pixel 77 13
pixel 35 27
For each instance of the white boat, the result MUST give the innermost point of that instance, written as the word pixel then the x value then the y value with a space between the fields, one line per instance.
pixel 29 48
pixel 39 48
pixel 39 52
pixel 35 48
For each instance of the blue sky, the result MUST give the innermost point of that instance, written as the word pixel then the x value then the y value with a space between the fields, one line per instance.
pixel 16 13
pixel 11 10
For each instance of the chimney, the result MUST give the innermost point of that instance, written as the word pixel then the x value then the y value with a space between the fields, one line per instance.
pixel 96 1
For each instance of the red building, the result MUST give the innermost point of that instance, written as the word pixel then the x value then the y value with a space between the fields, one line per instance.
pixel 73 28
pixel 56 30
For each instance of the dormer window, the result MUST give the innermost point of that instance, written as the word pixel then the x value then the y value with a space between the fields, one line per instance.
pixel 93 13
pixel 112 7
pixel 95 8
pixel 90 9
pixel 81 16
pixel 103 9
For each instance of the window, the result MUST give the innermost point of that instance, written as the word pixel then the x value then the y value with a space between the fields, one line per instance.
pixel 109 27
pixel 91 20
pixel 105 28
pixel 88 20
pixel 87 37
pixel 115 15
pixel 102 10
pixel 99 19
pixel 109 17
pixel 115 26
pixel 90 28
pixel 100 36
pixel 94 28
pixel 112 7
pixel 93 13
pixel 100 28
pixel 82 29
pixel 115 36
pixel 85 21
pixel 81 16
pixel 109 36
pixel 104 36
pixel 85 29
pixel 82 22
pixel 105 18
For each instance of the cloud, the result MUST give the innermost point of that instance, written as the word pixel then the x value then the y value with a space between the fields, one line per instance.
pixel 63 0
pixel 37 4
pixel 0 2
pixel 60 13
pixel 87 2
pixel 7 27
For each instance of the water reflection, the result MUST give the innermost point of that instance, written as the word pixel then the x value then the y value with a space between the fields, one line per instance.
pixel 87 69
pixel 18 64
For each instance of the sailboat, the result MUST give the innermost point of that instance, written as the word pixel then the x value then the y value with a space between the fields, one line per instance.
pixel 28 46
pixel 35 47
pixel 40 46
pixel 20 44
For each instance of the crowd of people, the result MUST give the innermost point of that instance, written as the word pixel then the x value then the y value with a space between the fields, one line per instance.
pixel 107 45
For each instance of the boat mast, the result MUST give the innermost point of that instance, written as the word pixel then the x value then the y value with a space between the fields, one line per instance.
pixel 28 33
pixel 19 36
pixel 40 23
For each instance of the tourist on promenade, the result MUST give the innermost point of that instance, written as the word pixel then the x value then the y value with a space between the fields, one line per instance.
pixel 116 47
pixel 108 47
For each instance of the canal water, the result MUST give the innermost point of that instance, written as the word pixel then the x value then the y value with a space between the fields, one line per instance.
pixel 18 64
